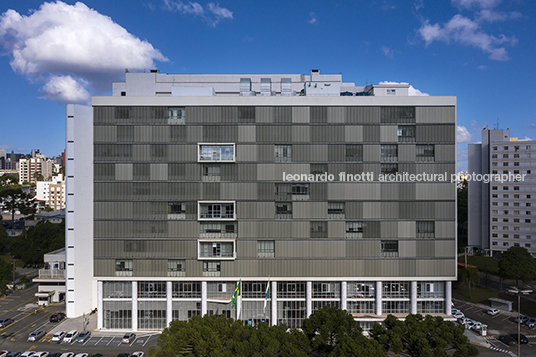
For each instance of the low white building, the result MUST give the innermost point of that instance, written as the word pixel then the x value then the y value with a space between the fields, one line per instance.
pixel 51 278
pixel 52 193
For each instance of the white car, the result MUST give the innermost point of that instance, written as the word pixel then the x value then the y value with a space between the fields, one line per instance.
pixel 476 326
pixel 458 314
pixel 58 336
pixel 493 312
pixel 137 354
pixel 27 354
pixel 40 354
pixel 71 336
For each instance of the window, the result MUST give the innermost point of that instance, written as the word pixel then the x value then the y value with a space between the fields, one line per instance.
pixel 528 196
pixel 493 171
pixel 265 249
pixel 494 188
pixel 516 195
pixel 505 147
pixel 389 153
pixel 406 133
pixel 494 235
pixel 505 163
pixel 505 235
pixel 527 204
pixel 494 148
pixel 211 268
pixel 287 191
pixel 336 210
pixel 527 221
pixel 494 195
pixel 495 203
pixel 505 188
pixel 495 243
pixel 176 115
pixel 389 168
pixel 394 115
pixel 152 289
pixel 216 250
pixel 211 172
pixel 516 236
pixel 516 156
pixel 354 152
pixel 319 229
pixel 425 229
pixel 505 156
pixel 494 163
pixel 123 267
pixel 176 267
pixel 246 114
pixel 217 210
pixel 318 169
pixel 528 213
pixel 494 156
pixel 495 211
pixel 283 210
pixel 516 148
pixel 389 248
pixel 425 153
pixel 505 171
pixel 216 152
pixel 505 244
pixel 527 147
pixel 395 289
pixel 354 229
pixel 505 228
pixel 176 210
pixel 283 153
pixel 527 245
pixel 391 91
pixel 516 163
pixel 505 204
pixel 516 172
pixel 494 227
pixel 218 229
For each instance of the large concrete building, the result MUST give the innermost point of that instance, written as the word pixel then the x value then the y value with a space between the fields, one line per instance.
pixel 278 181
pixel 501 202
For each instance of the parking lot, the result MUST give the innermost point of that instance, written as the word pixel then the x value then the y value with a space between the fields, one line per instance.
pixel 141 341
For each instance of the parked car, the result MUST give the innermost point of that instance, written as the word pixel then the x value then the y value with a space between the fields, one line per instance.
pixel 458 314
pixel 83 337
pixel 6 322
pixel 464 320
pixel 96 355
pixel 476 326
pixel 40 354
pixel 14 354
pixel 70 337
pixel 57 317
pixel 129 337
pixel 522 338
pixel 507 339
pixel 493 311
pixel 57 354
pixel 36 335
pixel 531 323
pixel 81 355
pixel 67 354
pixel 58 336
pixel 137 354
pixel 3 353
pixel 27 354
pixel 123 355
pixel 523 318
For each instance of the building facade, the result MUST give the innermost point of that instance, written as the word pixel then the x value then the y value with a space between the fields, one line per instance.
pixel 52 193
pixel 29 169
pixel 502 207
pixel 298 186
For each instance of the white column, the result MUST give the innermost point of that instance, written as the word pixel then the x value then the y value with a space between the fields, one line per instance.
pixel 239 305
pixel 203 298
pixel 273 288
pixel 413 297
pixel 344 289
pixel 100 310
pixel 134 306
pixel 378 298
pixel 448 298
pixel 308 300
pixel 169 303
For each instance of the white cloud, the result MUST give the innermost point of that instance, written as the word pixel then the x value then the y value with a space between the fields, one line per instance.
pixel 469 4
pixel 313 20
pixel 72 49
pixel 482 67
pixel 462 134
pixel 387 52
pixel 411 91
pixel 467 32
pixel 213 13
pixel 493 16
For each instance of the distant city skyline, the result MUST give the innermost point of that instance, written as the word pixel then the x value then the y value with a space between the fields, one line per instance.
pixel 55 53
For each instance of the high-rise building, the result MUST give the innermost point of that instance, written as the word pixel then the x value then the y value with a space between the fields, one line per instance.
pixel 502 209
pixel 302 187
pixel 52 193
pixel 30 169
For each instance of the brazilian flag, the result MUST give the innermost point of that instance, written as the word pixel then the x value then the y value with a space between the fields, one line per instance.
pixel 236 294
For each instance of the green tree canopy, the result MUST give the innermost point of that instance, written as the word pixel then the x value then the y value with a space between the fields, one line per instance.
pixel 40 239
pixel 13 199
pixel 518 264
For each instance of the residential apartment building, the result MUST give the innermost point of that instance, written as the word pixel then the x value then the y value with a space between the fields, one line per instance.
pixel 278 181
pixel 502 209
pixel 30 168
pixel 52 193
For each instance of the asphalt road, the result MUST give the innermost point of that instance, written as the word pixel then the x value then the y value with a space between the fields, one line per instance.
pixel 21 307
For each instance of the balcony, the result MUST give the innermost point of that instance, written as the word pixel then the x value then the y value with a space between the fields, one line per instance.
pixel 51 273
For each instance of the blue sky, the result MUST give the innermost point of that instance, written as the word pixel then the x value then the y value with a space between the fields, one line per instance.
pixel 481 51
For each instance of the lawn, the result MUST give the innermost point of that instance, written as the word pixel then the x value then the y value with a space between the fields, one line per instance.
pixel 483 263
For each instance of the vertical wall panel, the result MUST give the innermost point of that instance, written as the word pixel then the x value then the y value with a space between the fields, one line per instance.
pixel 336 114
pixel 300 114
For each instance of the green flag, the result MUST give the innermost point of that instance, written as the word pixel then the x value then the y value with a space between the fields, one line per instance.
pixel 236 294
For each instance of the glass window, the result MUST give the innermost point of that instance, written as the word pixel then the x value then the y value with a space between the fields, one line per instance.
pixel 354 229
pixel 176 210
pixel 176 115
pixel 265 249
pixel 389 168
pixel 211 268
pixel 354 152
pixel 123 267
pixel 389 153
pixel 216 152
pixel 186 289
pixel 218 229
pixel 425 229
pixel 211 172
pixel 406 133
pixel 395 289
pixel 319 229
pixel 151 289
pixel 223 210
pixel 176 267
pixel 283 210
pixel 216 249
pixel 389 248
pixel 425 153
pixel 283 153
pixel 336 209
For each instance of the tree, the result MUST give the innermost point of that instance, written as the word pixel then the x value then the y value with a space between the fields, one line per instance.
pixel 6 271
pixel 518 264
pixel 13 199
pixel 470 276
pixel 44 237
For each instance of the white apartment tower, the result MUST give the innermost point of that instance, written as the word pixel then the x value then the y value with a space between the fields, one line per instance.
pixel 502 211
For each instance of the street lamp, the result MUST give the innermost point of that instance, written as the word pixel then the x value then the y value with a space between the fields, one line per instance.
pixel 514 290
